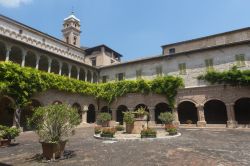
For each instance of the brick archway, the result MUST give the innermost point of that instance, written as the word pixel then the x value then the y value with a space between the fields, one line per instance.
pixel 215 112
pixel 187 111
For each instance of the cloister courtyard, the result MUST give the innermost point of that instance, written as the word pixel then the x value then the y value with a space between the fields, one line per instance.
pixel 196 146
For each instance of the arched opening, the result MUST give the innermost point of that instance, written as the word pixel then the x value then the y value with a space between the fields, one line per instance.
pixel 91 116
pixel 82 75
pixel 161 108
pixel 57 102
pixel 242 111
pixel 187 111
pixel 43 63
pixel 6 111
pixel 119 113
pixel 73 72
pixel 215 112
pixel 16 55
pixel 2 52
pixel 27 112
pixel 89 76
pixel 55 66
pixel 95 78
pixel 78 108
pixel 30 59
pixel 65 69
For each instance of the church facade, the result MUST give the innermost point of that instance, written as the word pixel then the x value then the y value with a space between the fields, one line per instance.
pixel 199 102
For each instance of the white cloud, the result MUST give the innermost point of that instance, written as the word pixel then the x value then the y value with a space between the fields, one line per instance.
pixel 13 3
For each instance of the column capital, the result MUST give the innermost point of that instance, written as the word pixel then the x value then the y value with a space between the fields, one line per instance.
pixel 199 106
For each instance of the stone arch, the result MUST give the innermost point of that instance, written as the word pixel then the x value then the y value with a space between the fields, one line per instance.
pixel 16 55
pixel 215 112
pixel 89 76
pixel 119 113
pixel 187 111
pixel 106 109
pixel 55 66
pixel 82 75
pixel 95 78
pixel 65 69
pixel 2 51
pixel 30 59
pixel 74 72
pixel 242 110
pixel 91 114
pixel 6 111
pixel 161 108
pixel 27 112
pixel 43 63
pixel 78 109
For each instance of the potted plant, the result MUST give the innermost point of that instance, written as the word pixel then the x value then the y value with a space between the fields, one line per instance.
pixel 141 113
pixel 129 119
pixel 148 133
pixel 119 128
pixel 108 132
pixel 172 130
pixel 98 129
pixel 104 118
pixel 7 134
pixel 166 118
pixel 53 124
pixel 189 122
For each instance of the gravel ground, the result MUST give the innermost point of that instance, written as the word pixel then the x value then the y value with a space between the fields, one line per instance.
pixel 219 147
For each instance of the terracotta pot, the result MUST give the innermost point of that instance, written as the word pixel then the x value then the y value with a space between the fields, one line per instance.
pixel 53 150
pixel 168 126
pixel 129 128
pixel 5 142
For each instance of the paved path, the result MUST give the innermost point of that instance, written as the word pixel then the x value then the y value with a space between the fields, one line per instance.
pixel 208 147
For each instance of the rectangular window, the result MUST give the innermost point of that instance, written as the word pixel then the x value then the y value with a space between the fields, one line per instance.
pixel 182 68
pixel 171 50
pixel 240 60
pixel 104 79
pixel 209 64
pixel 93 61
pixel 120 76
pixel 138 74
pixel 159 71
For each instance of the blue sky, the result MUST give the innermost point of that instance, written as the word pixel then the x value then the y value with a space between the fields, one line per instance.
pixel 135 28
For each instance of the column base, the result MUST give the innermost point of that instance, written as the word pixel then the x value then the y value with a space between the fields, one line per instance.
pixel 232 124
pixel 201 124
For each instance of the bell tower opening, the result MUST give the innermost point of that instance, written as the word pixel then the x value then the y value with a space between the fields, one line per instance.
pixel 71 30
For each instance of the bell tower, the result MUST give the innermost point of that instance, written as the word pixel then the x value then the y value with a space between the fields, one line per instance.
pixel 71 30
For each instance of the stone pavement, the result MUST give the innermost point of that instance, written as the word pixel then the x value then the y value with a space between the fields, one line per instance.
pixel 208 147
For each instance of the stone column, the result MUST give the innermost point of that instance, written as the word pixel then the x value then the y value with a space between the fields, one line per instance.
pixel 16 117
pixel 92 75
pixel 78 73
pixel 176 121
pixel 60 68
pixel 49 65
pixel 24 53
pixel 7 56
pixel 231 122
pixel 84 114
pixel 151 116
pixel 85 75
pixel 70 67
pixel 201 117
pixel 37 61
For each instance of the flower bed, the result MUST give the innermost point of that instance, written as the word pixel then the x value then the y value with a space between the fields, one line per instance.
pixel 148 133
pixel 108 132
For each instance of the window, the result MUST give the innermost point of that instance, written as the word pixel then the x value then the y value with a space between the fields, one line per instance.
pixel 120 76
pixel 104 79
pixel 182 68
pixel 67 39
pixel 138 74
pixel 93 61
pixel 171 50
pixel 20 31
pixel 209 64
pixel 159 71
pixel 240 60
pixel 111 61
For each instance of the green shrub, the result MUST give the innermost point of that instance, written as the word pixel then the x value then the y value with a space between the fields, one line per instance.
pixel 148 133
pixel 166 117
pixel 108 132
pixel 140 112
pixel 172 131
pixel 128 117
pixel 189 122
pixel 8 132
pixel 103 117
pixel 119 128
pixel 54 123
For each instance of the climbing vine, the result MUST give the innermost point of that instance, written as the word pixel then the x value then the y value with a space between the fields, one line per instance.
pixel 22 82
pixel 234 77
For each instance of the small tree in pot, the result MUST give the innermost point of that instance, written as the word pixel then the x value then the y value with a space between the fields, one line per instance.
pixel 104 118
pixel 129 118
pixel 141 113
pixel 167 118
pixel 54 124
